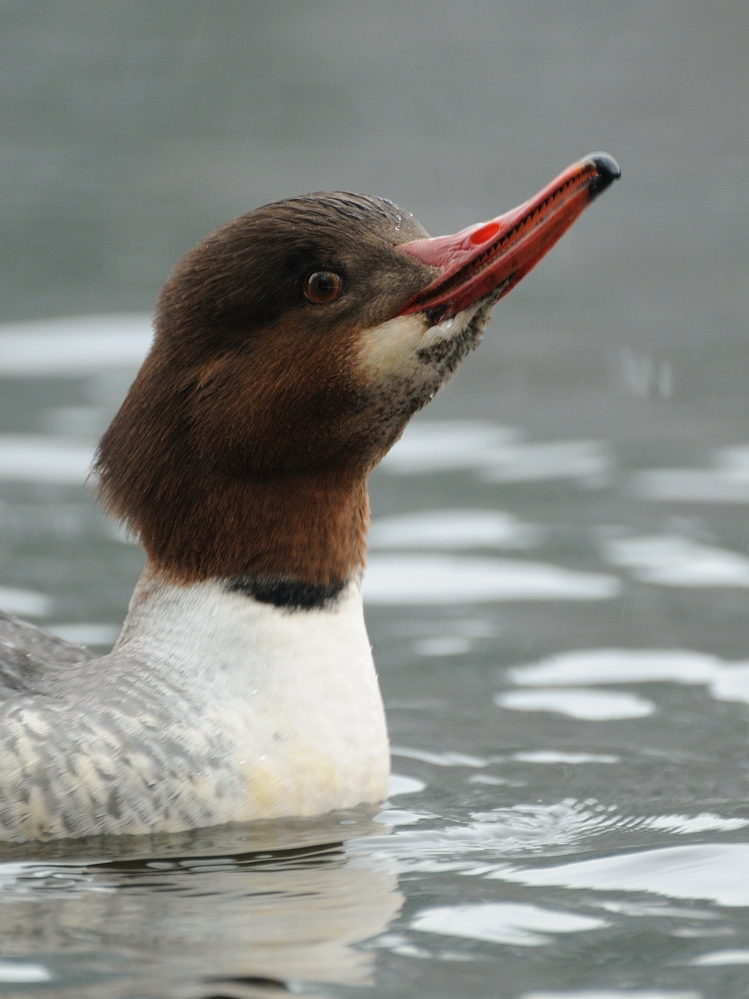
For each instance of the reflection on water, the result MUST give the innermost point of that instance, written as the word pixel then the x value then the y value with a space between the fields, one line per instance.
pixel 34 458
pixel 536 810
pixel 496 454
pixel 503 922
pixel 443 579
pixel 71 348
pixel 726 482
pixel 286 904
pixel 722 957
pixel 613 994
pixel 717 872
pixel 724 681
pixel 552 756
pixel 441 446
pixel 562 639
pixel 86 634
pixel 587 705
pixel 675 561
pixel 453 529
pixel 24 602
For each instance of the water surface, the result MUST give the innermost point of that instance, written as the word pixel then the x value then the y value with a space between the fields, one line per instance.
pixel 558 591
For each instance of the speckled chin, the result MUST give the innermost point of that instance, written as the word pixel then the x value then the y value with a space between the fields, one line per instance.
pixel 404 362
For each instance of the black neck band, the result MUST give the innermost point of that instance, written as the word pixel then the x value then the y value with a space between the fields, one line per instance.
pixel 291 594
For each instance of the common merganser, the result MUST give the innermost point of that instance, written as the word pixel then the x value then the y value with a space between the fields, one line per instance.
pixel 292 346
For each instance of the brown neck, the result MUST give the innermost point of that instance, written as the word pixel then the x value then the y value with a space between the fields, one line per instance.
pixel 309 528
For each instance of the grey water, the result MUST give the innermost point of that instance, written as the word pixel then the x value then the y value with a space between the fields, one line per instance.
pixel 558 590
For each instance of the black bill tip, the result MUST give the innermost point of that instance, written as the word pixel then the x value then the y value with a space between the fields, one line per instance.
pixel 608 171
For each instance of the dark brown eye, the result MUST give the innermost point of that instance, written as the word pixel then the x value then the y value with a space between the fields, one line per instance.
pixel 322 287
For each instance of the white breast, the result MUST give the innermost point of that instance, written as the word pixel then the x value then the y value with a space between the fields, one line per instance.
pixel 211 708
pixel 295 693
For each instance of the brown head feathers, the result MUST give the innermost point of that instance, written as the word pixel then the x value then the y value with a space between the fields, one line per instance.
pixel 292 347
pixel 243 446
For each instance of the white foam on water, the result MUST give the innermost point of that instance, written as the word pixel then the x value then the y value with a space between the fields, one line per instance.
pixel 670 560
pixel 718 872
pixel 75 346
pixel 398 784
pixel 19 973
pixel 446 579
pixel 86 634
pixel 503 922
pixel 721 958
pixel 453 529
pixel 39 458
pixel 25 602
pixel 552 756
pixel 585 705
pixel 725 681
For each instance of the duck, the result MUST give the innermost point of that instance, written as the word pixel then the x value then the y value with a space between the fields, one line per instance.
pixel 291 348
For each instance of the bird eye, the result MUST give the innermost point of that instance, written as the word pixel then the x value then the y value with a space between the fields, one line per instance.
pixel 322 287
